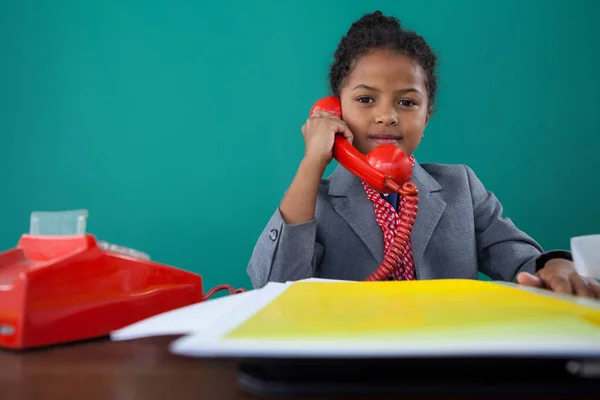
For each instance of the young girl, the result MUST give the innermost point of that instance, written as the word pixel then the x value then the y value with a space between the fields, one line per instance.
pixel 340 228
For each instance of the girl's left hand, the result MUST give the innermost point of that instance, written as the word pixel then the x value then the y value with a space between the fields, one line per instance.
pixel 560 276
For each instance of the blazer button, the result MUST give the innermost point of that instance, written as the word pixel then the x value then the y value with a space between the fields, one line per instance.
pixel 273 234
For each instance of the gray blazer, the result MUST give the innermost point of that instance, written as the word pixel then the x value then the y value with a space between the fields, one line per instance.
pixel 459 231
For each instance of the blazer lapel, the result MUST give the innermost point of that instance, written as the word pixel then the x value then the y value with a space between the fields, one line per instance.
pixel 357 210
pixel 431 207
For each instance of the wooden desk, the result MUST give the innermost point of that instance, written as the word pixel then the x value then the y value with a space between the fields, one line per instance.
pixel 101 369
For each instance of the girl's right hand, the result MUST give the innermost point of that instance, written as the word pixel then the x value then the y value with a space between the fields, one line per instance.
pixel 319 133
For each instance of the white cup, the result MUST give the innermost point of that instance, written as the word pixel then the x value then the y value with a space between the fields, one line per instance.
pixel 586 255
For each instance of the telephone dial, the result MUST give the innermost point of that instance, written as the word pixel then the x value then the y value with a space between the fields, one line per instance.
pixel 387 169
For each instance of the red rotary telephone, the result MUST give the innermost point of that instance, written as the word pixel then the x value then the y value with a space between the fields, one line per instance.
pixel 387 169
pixel 58 287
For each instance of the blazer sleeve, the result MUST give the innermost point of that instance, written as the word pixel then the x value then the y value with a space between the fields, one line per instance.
pixel 502 249
pixel 284 252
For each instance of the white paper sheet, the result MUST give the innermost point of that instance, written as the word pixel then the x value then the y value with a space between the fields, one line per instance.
pixel 197 345
pixel 200 317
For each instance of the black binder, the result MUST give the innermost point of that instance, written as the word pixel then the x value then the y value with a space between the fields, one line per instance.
pixel 422 376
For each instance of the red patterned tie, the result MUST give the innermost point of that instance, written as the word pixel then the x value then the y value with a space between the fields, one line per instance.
pixel 388 219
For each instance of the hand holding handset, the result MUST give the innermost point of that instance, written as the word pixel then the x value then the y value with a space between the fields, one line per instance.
pixel 387 169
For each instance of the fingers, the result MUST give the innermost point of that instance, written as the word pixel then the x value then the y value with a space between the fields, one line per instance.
pixel 581 286
pixel 560 284
pixel 323 114
pixel 337 125
pixel 594 286
pixel 317 114
pixel 574 284
pixel 562 279
pixel 345 131
pixel 527 279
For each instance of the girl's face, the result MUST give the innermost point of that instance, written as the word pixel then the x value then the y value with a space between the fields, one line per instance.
pixel 384 100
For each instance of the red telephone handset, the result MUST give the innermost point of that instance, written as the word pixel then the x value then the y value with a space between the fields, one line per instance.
pixel 387 169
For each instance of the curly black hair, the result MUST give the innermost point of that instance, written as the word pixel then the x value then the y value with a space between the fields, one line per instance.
pixel 376 31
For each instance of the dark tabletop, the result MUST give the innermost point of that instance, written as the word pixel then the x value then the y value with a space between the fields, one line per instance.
pixel 101 369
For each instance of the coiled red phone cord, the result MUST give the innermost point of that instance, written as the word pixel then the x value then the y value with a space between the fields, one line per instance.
pixel 407 220
pixel 222 287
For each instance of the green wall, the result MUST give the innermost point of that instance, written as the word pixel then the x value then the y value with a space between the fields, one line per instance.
pixel 177 123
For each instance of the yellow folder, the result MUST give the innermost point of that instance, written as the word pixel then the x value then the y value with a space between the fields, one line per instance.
pixel 423 310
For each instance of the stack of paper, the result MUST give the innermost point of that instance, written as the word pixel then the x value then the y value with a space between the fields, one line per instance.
pixel 201 317
pixel 320 318
pixel 440 317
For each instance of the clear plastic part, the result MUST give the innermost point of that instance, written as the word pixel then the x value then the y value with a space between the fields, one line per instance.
pixel 58 223
pixel 123 250
pixel 70 223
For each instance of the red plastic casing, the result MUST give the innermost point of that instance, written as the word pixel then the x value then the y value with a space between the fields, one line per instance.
pixel 59 289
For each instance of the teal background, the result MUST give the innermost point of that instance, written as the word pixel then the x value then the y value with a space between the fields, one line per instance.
pixel 177 123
